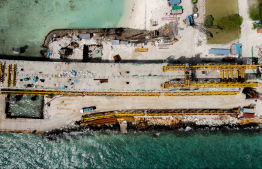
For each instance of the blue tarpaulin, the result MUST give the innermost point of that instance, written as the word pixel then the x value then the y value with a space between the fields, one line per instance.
pixel 35 79
pixel 219 51
pixel 174 2
pixel 74 72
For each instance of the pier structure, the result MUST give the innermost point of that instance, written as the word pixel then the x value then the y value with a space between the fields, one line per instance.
pixel 120 79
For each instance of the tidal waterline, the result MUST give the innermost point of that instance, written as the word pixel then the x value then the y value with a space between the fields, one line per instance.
pixel 202 149
pixel 25 23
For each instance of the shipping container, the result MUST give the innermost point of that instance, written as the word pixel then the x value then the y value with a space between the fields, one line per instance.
pixel 248 115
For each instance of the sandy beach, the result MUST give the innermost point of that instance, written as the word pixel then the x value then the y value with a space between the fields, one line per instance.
pixel 139 14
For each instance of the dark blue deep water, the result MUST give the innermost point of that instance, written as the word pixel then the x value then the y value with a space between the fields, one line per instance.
pixel 202 149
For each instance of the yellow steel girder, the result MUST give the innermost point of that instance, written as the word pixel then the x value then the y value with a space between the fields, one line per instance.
pixel 1 72
pixel 168 85
pixel 14 75
pixel 8 76
pixel 174 68
pixel 223 67
pixel 172 112
pixel 222 74
pixel 69 93
pixel 209 67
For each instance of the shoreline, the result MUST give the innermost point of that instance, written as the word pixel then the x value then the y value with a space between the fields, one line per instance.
pixel 115 128
pixel 134 128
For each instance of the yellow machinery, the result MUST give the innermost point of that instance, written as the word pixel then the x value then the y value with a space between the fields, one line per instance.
pixel 226 72
pixel 71 93
pixel 170 112
pixel 14 75
pixel 168 85
pixel 8 76
pixel 210 67
pixel 1 72
pixel 141 50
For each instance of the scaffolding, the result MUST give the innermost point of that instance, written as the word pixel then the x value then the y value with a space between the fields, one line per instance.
pixel 156 94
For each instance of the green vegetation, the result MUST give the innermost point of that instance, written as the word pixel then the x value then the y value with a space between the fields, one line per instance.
pixel 255 10
pixel 208 23
pixel 230 22
pixel 219 9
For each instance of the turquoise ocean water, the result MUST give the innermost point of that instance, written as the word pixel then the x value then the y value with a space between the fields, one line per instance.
pixel 27 22
pixel 137 150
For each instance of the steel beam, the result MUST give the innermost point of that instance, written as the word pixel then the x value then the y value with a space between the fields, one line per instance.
pixel 14 75
pixel 1 72
pixel 69 93
pixel 169 85
pixel 8 76
pixel 169 112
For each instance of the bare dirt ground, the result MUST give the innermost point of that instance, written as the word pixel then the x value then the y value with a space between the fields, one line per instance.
pixel 64 111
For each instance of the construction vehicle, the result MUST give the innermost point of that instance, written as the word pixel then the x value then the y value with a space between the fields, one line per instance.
pixel 248 112
pixel 251 93
pixel 190 20
pixel 87 109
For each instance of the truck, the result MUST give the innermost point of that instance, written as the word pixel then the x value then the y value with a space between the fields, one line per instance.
pixel 87 109
pixel 190 20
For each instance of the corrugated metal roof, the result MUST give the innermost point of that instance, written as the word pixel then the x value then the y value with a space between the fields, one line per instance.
pixel 219 51
pixel 259 30
pixel 173 2
pixel 249 115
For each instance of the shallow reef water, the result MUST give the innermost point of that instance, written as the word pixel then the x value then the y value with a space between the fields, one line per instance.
pixel 25 23
pixel 110 149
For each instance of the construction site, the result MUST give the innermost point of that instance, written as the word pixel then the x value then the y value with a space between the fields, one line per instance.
pixel 134 78
pixel 140 93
